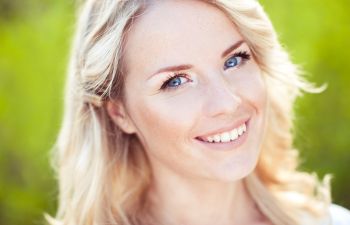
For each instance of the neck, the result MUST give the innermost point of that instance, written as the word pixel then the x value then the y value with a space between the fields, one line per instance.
pixel 179 200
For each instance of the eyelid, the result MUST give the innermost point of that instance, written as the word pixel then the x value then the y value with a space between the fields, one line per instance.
pixel 173 76
pixel 244 54
pixel 238 53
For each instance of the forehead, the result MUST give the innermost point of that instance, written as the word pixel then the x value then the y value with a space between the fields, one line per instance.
pixel 177 31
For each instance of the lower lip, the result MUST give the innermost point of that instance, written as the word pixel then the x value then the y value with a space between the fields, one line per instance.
pixel 226 146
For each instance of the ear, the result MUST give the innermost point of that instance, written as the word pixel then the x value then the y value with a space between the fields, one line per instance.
pixel 116 110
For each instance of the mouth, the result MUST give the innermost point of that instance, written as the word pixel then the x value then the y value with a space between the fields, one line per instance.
pixel 228 138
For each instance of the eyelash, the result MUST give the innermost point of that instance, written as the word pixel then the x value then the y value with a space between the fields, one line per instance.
pixel 171 77
pixel 243 54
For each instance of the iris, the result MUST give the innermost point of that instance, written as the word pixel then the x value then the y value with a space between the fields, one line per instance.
pixel 175 82
pixel 233 61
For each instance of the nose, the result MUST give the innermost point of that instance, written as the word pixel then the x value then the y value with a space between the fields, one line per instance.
pixel 221 99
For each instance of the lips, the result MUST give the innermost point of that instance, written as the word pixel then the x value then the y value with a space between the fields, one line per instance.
pixel 226 134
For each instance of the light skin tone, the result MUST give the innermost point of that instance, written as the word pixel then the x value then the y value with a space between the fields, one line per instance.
pixel 218 87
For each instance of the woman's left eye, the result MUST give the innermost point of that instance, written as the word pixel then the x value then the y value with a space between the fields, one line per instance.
pixel 236 60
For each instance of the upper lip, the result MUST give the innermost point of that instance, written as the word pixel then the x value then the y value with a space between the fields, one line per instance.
pixel 236 124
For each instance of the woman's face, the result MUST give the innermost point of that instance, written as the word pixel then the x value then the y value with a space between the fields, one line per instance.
pixel 190 80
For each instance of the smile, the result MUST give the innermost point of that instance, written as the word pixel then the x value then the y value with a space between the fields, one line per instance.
pixel 226 136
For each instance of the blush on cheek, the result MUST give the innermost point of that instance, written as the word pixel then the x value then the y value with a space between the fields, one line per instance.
pixel 252 87
pixel 155 124
pixel 162 136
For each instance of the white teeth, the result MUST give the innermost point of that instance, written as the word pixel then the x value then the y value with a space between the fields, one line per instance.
pixel 225 137
pixel 240 130
pixel 234 134
pixel 244 128
pixel 217 138
pixel 228 136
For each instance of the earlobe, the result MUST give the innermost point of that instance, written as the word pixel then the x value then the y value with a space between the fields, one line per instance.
pixel 117 112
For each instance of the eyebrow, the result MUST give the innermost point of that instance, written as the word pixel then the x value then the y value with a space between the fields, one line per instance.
pixel 189 66
pixel 173 68
pixel 231 48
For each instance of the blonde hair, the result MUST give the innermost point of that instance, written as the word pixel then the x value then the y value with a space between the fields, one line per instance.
pixel 104 173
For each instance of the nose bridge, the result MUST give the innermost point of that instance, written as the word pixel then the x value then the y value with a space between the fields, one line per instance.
pixel 222 98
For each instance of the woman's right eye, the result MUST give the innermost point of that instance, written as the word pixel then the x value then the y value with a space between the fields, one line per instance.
pixel 175 81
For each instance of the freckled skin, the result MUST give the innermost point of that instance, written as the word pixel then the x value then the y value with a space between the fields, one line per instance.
pixel 173 33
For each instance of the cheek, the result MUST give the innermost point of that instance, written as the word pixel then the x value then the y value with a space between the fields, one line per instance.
pixel 165 119
pixel 164 128
pixel 251 86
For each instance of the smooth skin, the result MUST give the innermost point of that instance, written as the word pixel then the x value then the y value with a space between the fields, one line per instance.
pixel 193 183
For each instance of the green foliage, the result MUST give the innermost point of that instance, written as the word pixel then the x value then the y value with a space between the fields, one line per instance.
pixel 316 33
pixel 33 57
pixel 34 45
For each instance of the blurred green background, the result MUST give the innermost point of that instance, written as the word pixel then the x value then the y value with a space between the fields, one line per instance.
pixel 34 43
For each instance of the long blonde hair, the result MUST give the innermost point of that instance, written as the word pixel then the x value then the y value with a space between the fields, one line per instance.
pixel 104 173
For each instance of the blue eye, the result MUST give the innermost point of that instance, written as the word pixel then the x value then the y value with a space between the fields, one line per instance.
pixel 233 61
pixel 175 81
pixel 236 60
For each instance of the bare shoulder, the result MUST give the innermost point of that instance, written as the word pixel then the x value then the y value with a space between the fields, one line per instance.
pixel 339 215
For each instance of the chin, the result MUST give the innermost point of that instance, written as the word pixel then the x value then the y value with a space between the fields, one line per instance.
pixel 234 171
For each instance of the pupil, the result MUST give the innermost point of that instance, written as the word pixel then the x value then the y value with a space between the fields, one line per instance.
pixel 175 82
pixel 231 62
